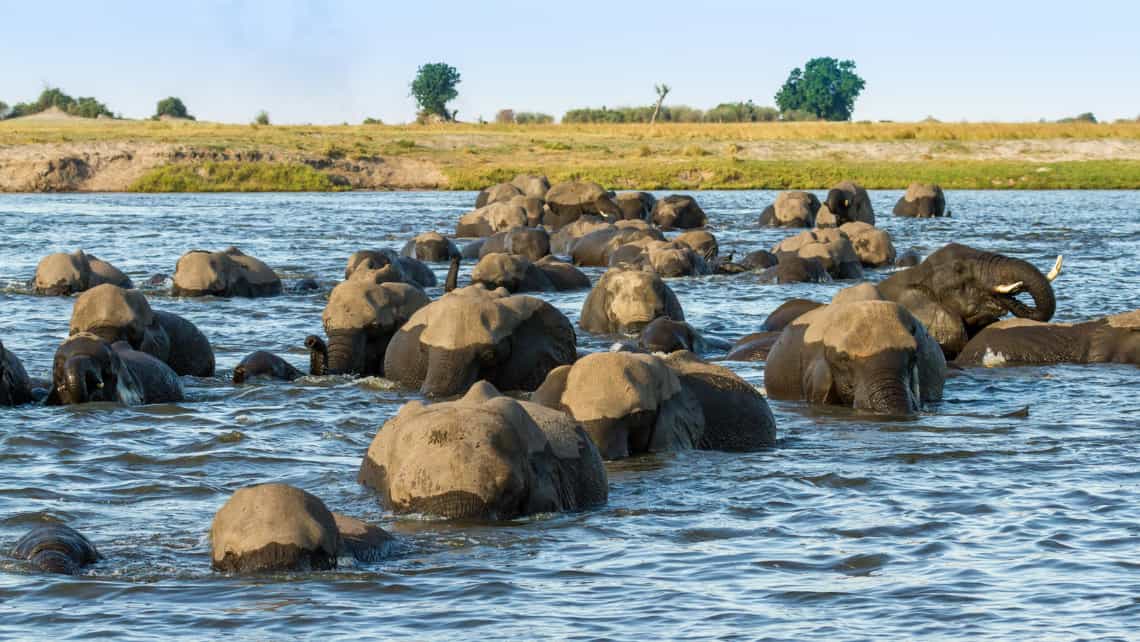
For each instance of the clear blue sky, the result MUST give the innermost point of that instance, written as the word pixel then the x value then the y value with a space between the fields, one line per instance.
pixel 328 62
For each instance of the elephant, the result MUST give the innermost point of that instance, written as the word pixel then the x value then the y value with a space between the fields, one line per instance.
pixel 872 245
pixel 66 274
pixel 702 242
pixel 628 403
pixel 518 274
pixel 909 258
pixel 563 240
pixel 360 319
pixel 678 211
pixel 277 527
pixel 115 314
pixel 532 185
pixel 56 548
pixel 386 266
pixel 791 209
pixel 737 418
pixel 831 246
pixel 473 333
pixel 922 200
pixel 625 301
pixel 869 355
pixel 88 369
pixel 846 202
pixel 483 456
pixel 667 258
pixel 958 290
pixel 666 335
pixel 498 193
pixel 487 220
pixel 528 242
pixel 755 346
pixel 793 269
pixel 264 365
pixel 1112 339
pixel 228 273
pixel 571 200
pixel 15 386
pixel 755 260
pixel 596 248
pixel 431 247
pixel 636 205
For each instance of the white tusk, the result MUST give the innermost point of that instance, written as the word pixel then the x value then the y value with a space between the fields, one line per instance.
pixel 1056 271
pixel 1008 288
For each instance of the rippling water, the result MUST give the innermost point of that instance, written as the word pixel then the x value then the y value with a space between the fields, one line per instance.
pixel 960 523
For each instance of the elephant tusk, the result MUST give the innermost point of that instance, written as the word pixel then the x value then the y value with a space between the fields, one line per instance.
pixel 1056 271
pixel 1008 288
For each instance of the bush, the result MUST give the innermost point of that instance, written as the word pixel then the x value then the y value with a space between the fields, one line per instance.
pixel 505 117
pixel 746 112
pixel 1086 117
pixel 373 121
pixel 84 106
pixel 262 118
pixel 173 108
pixel 533 118
pixel 793 115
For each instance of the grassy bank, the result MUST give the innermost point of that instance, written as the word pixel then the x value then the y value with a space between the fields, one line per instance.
pixel 208 156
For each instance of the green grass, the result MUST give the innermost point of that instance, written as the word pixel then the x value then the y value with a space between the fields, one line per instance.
pixel 232 176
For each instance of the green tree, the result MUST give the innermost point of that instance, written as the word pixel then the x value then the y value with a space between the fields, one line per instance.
pixel 262 118
pixel 825 87
pixel 172 107
pixel 434 87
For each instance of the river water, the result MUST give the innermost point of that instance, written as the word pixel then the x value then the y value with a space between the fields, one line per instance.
pixel 959 523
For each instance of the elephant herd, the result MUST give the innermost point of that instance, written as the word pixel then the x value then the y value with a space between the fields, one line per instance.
pixel 520 422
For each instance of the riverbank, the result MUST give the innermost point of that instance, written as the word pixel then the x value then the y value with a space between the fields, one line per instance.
pixel 171 156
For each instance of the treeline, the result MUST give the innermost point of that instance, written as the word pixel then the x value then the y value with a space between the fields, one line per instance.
pixel 84 106
pixel 739 112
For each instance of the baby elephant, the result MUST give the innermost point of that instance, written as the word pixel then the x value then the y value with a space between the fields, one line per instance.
pixel 88 369
pixel 56 548
pixel 264 365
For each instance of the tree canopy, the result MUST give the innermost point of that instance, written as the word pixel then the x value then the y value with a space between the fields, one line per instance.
pixel 434 87
pixel 84 106
pixel 825 87
pixel 172 107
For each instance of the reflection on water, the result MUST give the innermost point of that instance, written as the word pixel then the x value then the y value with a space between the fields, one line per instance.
pixel 972 520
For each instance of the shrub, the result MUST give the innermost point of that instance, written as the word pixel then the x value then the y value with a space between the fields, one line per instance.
pixel 1086 117
pixel 798 115
pixel 745 112
pixel 373 121
pixel 3 109
pixel 262 118
pixel 84 106
pixel 172 107
pixel 533 118
pixel 505 117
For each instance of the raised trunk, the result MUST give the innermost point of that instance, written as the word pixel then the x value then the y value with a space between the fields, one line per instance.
pixel 1004 270
pixel 346 352
pixel 449 372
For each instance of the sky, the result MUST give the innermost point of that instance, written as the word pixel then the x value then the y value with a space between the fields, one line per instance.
pixel 342 61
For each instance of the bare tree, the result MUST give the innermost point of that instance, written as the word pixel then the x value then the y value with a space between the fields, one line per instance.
pixel 662 91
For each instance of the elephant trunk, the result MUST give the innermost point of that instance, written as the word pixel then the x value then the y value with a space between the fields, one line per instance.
pixel 449 372
pixel 346 352
pixel 318 355
pixel 890 387
pixel 79 380
pixel 1004 271
pixel 452 275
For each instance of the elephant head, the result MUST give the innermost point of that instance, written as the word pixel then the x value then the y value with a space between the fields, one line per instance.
pixel 484 456
pixel 846 202
pixel 678 211
pixel 626 301
pixel 274 527
pixel 65 274
pixel 15 387
pixel 87 369
pixel 432 247
pixel 386 266
pixel 514 273
pixel 869 355
pixel 114 314
pixel 360 319
pixel 959 290
pixel 226 274
pixel 473 333
pixel 531 243
pixel 56 548
pixel 922 200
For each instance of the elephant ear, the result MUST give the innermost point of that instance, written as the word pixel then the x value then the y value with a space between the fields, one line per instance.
pixel 817 382
pixel 944 326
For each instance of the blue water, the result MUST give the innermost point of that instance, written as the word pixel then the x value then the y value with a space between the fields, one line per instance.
pixel 956 524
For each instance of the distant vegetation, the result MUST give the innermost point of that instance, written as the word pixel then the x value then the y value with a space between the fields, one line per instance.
pixel 510 117
pixel 83 107
pixel 1086 117
pixel 740 112
pixel 825 87
pixel 434 87
pixel 373 121
pixel 231 176
pixel 172 108
pixel 262 118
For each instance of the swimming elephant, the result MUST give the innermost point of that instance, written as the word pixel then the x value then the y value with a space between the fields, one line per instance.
pixel 573 199
pixel 483 456
pixel 532 185
pixel 228 273
pixel 596 247
pixel 702 242
pixel 473 333
pixel 845 203
pixel 88 369
pixel 66 274
pixel 678 211
pixel 922 200
pixel 755 346
pixel 831 246
pixel 791 268
pixel 115 314
pixel 360 319
pixel 866 354
pixel 386 266
pixel 566 236
pixel 635 205
pixel 736 415
pixel 56 548
pixel 519 274
pixel 625 301
pixel 959 290
pixel 498 193
pixel 1112 339
pixel 431 247
pixel 791 209
pixel 277 527
pixel 491 218
pixel 629 403
pixel 669 259
pixel 667 335
pixel 872 245
pixel 529 242
pixel 15 386
pixel 264 365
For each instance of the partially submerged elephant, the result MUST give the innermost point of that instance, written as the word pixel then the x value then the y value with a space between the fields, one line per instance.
pixel 15 386
pixel 846 202
pixel 386 266
pixel 277 527
pixel 431 247
pixel 625 301
pixel 262 365
pixel 791 209
pixel 959 290
pixel 115 314
pixel 1112 339
pixel 736 415
pixel 635 205
pixel 867 354
pixel 228 273
pixel 56 548
pixel 678 211
pixel 519 274
pixel 596 247
pixel 755 346
pixel 88 369
pixel 922 200
pixel 831 246
pixel 529 242
pixel 483 456
pixel 571 200
pixel 473 333
pixel 359 320
pixel 491 218
pixel 65 274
